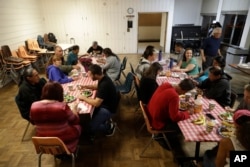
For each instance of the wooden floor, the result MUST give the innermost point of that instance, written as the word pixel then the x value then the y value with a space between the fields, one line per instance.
pixel 120 150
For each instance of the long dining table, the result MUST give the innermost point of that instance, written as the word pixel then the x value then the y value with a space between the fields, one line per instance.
pixel 197 133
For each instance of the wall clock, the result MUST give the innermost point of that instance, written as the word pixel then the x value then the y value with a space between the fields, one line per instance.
pixel 130 10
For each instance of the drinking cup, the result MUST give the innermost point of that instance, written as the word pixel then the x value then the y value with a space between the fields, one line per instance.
pixel 187 96
pixel 211 106
pixel 168 73
pixel 84 74
pixel 71 87
pixel 209 126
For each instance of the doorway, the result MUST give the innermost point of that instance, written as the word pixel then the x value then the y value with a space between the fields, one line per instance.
pixel 151 31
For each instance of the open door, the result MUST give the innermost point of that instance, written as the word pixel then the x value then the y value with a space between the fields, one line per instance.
pixel 151 31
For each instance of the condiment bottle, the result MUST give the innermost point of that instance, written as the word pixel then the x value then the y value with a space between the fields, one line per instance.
pixel 198 104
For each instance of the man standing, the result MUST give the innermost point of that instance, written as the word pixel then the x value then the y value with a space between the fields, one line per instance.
pixel 30 90
pixel 210 48
pixel 164 104
pixel 105 102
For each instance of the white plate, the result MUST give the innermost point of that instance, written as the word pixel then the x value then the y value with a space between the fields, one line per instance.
pixel 244 66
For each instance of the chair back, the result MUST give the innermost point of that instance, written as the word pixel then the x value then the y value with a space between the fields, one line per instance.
pixel 50 145
pixel 124 63
pixel 145 112
pixel 119 74
pixel 6 51
pixel 41 41
pixel 233 98
pixel 132 68
pixel 137 86
pixel 129 82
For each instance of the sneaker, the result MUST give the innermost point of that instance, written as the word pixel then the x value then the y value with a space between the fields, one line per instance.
pixel 111 131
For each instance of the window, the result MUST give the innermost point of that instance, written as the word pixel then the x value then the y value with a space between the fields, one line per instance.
pixel 233 28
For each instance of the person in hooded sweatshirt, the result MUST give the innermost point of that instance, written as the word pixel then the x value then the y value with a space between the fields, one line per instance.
pixel 217 86
pixel 55 74
pixel 146 60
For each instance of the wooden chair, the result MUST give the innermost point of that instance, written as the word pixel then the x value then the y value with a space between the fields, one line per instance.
pixel 51 145
pixel 152 131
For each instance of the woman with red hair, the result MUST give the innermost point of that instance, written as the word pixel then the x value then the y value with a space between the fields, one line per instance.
pixel 54 118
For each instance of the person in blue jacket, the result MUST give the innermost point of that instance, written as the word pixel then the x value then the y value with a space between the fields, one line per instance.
pixel 55 74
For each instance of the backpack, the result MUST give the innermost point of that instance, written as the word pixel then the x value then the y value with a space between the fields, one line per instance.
pixel 52 37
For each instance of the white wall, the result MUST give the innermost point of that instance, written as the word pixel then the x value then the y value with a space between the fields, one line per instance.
pixel 187 12
pixel 19 20
pixel 104 21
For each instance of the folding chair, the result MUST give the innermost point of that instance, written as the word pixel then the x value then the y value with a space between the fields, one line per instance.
pixel 152 131
pixel 126 87
pixel 51 145
pixel 123 66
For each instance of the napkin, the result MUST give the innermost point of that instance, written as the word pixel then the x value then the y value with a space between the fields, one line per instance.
pixel 82 108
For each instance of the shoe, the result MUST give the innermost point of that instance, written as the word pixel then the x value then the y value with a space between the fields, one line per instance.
pixel 111 131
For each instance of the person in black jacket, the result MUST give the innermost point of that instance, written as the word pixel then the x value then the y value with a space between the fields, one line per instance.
pixel 148 83
pixel 217 86
pixel 30 90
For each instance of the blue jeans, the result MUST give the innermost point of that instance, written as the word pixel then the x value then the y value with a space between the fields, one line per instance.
pixel 99 120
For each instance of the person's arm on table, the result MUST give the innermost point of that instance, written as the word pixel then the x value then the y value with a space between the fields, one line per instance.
pixel 96 102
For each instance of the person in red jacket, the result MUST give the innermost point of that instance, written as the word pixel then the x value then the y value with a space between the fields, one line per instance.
pixel 164 104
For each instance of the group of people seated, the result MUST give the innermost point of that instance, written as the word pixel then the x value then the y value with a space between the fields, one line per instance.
pixel 41 101
pixel 59 70
pixel 163 101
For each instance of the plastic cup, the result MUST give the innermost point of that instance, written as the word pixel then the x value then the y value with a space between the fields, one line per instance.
pixel 70 87
pixel 187 96
pixel 211 106
pixel 84 74
pixel 209 126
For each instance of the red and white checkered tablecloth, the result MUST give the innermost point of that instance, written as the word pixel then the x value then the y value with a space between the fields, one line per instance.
pixel 81 81
pixel 172 80
pixel 197 133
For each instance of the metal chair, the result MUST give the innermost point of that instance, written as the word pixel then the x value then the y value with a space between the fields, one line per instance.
pixel 152 131
pixel 123 66
pixel 27 126
pixel 126 87
pixel 51 145
pixel 233 98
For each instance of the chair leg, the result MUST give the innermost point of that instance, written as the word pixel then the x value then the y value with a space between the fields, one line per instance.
pixel 73 159
pixel 40 159
pixel 149 142
pixel 137 134
pixel 166 140
pixel 25 131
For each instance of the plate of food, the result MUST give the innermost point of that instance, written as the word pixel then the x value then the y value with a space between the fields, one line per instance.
pixel 87 92
pixel 225 131
pixel 226 116
pixel 244 66
pixel 69 98
pixel 175 75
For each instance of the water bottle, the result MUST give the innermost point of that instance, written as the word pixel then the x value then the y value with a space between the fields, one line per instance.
pixel 171 63
pixel 160 55
pixel 241 60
